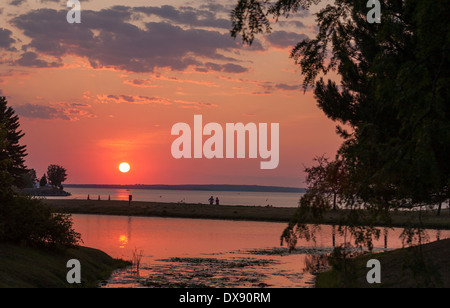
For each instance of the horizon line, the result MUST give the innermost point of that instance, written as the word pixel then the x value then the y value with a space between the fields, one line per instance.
pixel 254 186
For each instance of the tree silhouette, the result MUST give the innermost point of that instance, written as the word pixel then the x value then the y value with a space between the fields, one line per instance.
pixel 328 179
pixel 393 94
pixel 24 219
pixel 56 175
pixel 12 154
pixel 43 181
pixel 30 178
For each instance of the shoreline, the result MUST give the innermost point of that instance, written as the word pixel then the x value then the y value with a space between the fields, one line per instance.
pixel 44 192
pixel 226 212
pixel 171 210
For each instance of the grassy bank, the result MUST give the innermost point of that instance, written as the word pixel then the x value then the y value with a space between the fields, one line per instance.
pixel 26 267
pixel 399 269
pixel 255 213
pixel 180 210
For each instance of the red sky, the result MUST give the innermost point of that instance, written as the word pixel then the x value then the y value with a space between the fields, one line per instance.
pixel 108 90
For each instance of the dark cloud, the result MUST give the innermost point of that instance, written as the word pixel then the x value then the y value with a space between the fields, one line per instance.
pixel 139 82
pixel 56 111
pixel 79 105
pixel 234 68
pixel 202 69
pixel 6 40
pixel 286 87
pixel 216 7
pixel 133 99
pixel 147 100
pixel 213 66
pixel 187 16
pixel 269 87
pixel 107 39
pixel 295 23
pixel 226 68
pixel 126 98
pixel 40 112
pixel 283 39
pixel 31 59
pixel 17 2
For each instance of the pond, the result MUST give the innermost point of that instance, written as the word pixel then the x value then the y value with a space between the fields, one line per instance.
pixel 175 252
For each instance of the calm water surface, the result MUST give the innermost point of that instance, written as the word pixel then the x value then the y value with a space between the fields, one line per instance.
pixel 276 199
pixel 216 253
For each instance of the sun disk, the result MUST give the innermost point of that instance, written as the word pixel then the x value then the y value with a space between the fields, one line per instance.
pixel 124 167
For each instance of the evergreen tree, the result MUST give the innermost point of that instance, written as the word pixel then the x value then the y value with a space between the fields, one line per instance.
pixel 43 181
pixel 30 178
pixel 12 154
pixel 24 219
pixel 5 162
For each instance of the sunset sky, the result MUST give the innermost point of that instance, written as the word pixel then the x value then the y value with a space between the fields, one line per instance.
pixel 108 90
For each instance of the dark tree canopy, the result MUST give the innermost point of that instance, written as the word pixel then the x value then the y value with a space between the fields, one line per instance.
pixel 12 154
pixel 56 175
pixel 30 178
pixel 43 181
pixel 24 219
pixel 393 96
pixel 327 182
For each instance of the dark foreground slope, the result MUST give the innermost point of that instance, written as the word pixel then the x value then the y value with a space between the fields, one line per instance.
pixel 400 268
pixel 26 267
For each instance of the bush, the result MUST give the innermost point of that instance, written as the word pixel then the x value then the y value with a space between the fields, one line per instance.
pixel 26 219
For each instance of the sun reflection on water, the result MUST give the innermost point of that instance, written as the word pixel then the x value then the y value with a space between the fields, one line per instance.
pixel 123 241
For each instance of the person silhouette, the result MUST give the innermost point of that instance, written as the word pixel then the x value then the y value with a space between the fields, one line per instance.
pixel 211 200
pixel 217 201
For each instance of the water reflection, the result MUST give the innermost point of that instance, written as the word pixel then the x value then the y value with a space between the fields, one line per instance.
pixel 214 252
pixel 276 199
pixel 123 241
pixel 391 237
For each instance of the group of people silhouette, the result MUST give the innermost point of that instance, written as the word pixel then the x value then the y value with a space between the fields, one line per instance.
pixel 211 200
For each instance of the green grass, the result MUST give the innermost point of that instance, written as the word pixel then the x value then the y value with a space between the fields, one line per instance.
pixel 27 267
pixel 400 268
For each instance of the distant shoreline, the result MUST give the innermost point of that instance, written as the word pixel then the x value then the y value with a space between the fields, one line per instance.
pixel 198 187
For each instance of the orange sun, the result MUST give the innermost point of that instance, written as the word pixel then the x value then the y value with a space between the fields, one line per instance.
pixel 124 167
